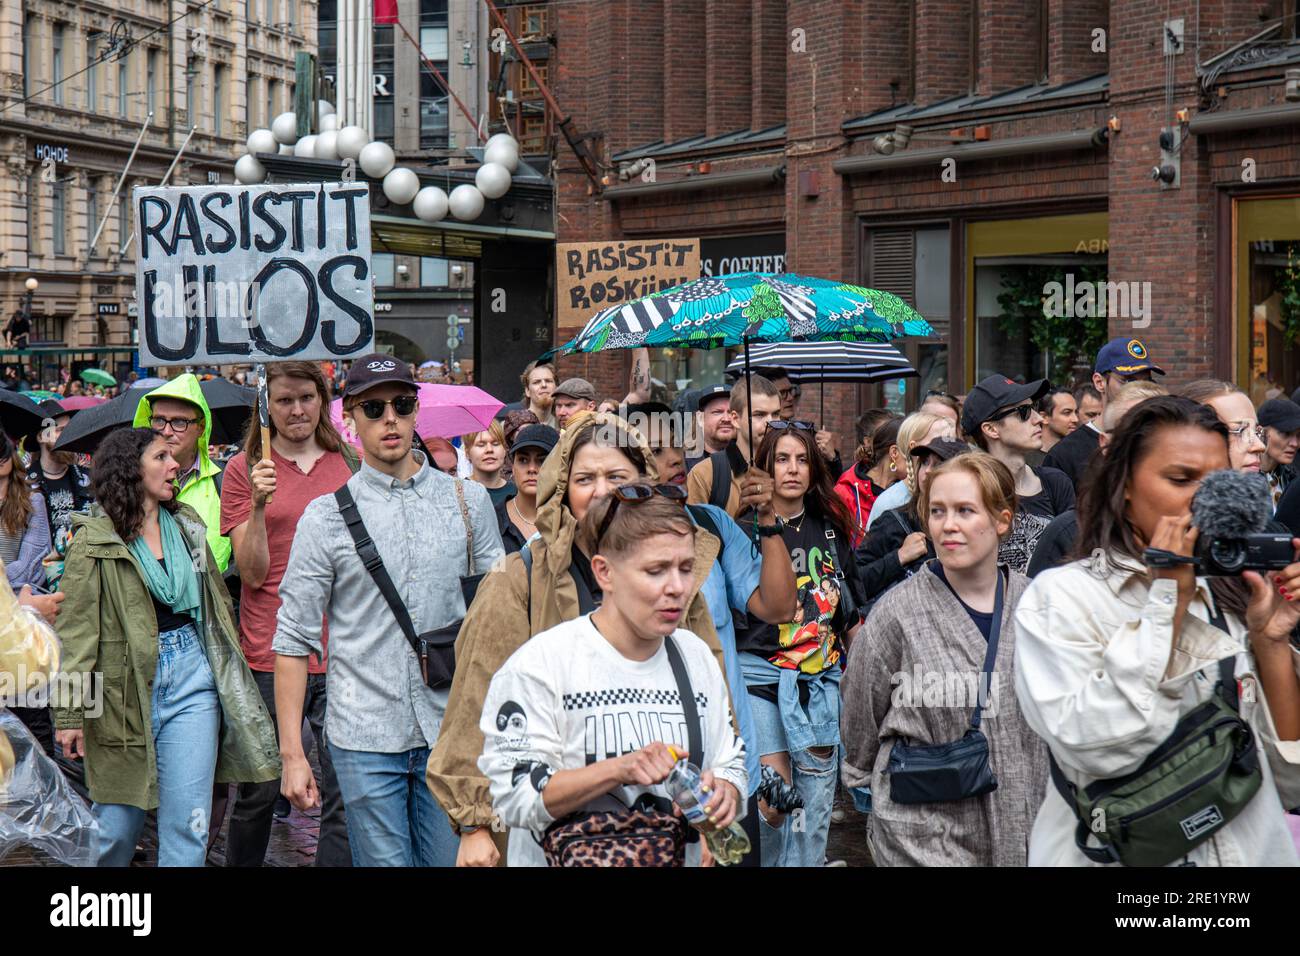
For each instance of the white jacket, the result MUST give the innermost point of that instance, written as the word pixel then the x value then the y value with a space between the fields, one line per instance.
pixel 1096 680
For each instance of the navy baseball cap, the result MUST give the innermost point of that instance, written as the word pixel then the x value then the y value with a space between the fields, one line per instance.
pixel 535 436
pixel 994 392
pixel 1125 356
pixel 710 393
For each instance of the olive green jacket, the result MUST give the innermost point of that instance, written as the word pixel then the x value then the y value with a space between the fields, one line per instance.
pixel 108 625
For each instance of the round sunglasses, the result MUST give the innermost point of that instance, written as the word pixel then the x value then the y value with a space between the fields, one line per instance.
pixel 373 408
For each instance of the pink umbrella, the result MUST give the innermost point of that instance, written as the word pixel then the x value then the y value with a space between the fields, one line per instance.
pixel 75 403
pixel 445 411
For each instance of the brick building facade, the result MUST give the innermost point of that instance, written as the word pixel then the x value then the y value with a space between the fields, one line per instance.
pixel 965 154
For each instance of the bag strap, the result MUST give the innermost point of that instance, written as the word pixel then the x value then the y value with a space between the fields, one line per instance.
pixel 694 735
pixel 586 602
pixel 1227 666
pixel 721 490
pixel 990 656
pixel 469 528
pixel 369 555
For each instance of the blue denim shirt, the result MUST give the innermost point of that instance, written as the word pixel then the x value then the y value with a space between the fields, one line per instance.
pixel 818 725
pixel 730 584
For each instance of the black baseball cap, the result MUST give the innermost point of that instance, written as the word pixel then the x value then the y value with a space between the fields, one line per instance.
pixel 377 369
pixel 1125 356
pixel 942 448
pixel 1280 413
pixel 995 392
pixel 535 436
pixel 708 394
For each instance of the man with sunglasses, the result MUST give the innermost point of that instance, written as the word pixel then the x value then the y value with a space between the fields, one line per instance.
pixel 1119 361
pixel 381 719
pixel 180 412
pixel 1000 417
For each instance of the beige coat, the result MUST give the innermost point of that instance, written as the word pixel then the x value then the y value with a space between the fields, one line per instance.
pixel 913 673
pixel 1097 680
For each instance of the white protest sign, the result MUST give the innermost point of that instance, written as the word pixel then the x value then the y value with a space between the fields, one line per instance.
pixel 239 274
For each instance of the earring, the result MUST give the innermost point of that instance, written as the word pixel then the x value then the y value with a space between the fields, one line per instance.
pixel 893 466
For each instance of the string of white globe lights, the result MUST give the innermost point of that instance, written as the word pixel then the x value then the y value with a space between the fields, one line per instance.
pixel 401 185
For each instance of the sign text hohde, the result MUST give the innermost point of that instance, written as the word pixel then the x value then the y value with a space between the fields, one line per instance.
pixel 591 276
pixel 238 274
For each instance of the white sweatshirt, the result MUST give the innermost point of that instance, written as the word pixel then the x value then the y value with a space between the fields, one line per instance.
pixel 567 699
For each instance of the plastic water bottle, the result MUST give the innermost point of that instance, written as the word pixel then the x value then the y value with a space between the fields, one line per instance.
pixel 685 786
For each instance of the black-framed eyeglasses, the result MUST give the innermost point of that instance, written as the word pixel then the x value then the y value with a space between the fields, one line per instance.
pixel 373 408
pixel 780 424
pixel 178 425
pixel 635 494
pixel 1023 412
pixel 791 392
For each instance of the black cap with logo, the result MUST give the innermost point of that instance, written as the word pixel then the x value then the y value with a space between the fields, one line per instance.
pixel 993 393
pixel 376 369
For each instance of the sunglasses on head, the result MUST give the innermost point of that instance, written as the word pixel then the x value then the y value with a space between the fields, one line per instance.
pixel 935 393
pixel 373 408
pixel 1022 412
pixel 635 494
pixel 781 424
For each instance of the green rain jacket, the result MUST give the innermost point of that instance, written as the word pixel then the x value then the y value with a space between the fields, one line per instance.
pixel 200 491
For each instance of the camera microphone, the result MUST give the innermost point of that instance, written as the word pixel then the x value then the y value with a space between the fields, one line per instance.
pixel 1231 504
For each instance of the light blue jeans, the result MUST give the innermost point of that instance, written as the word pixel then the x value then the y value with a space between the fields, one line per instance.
pixel 801 839
pixel 392 817
pixel 186 724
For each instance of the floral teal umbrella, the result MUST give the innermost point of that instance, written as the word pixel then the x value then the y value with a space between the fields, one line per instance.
pixel 750 307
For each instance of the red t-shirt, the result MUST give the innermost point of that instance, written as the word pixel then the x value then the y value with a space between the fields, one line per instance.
pixel 294 490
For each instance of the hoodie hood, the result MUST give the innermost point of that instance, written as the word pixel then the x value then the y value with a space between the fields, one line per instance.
pixel 555 522
pixel 186 388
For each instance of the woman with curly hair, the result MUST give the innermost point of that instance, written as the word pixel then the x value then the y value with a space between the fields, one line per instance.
pixel 147 608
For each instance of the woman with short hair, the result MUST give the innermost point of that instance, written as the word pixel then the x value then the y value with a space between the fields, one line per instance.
pixel 486 452
pixel 934 661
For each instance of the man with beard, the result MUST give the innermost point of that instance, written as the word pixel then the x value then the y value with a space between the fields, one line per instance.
pixel 538 381
pixel 716 424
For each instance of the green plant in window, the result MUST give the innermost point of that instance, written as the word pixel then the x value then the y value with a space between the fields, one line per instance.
pixel 1067 340
pixel 1288 287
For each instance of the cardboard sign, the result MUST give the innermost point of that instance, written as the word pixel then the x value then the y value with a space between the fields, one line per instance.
pixel 590 276
pixel 237 274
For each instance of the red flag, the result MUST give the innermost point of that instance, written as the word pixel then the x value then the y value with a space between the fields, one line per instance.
pixel 385 11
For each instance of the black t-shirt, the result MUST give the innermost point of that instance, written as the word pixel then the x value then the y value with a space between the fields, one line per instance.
pixel 1033 515
pixel 1055 543
pixel 500 496
pixel 1073 452
pixel 168 619
pixel 65 495
pixel 982 619
pixel 816 634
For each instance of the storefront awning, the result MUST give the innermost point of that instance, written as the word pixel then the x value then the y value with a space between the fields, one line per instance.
pixel 969 152
pixel 460 240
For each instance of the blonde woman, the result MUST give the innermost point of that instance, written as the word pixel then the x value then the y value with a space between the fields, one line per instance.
pixel 919 428
pixel 486 451
pixel 954 618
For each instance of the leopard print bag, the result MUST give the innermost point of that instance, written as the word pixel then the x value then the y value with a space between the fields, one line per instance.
pixel 617 838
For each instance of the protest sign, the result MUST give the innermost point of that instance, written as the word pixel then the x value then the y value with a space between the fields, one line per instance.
pixel 242 274
pixel 590 276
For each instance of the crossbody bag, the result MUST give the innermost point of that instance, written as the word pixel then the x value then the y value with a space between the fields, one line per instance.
pixel 606 833
pixel 435 649
pixel 958 770
pixel 1189 788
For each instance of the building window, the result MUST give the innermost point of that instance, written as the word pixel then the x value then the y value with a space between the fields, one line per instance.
pixel 434 273
pixel 383 91
pixel 534 19
pixel 327 28
pixel 56 64
pixel 250 97
pixel 151 80
pixel 526 82
pixel 123 81
pixel 271 88
pixel 27 56
pixel 92 215
pixel 1268 295
pixel 33 214
pixel 433 115
pixel 123 216
pixel 1037 298
pixel 191 107
pixel 532 133
pixel 59 210
pixel 218 99
pixel 382 264
pixel 92 75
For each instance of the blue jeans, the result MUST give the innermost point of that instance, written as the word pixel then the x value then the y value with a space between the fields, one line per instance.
pixel 392 817
pixel 186 724
pixel 801 838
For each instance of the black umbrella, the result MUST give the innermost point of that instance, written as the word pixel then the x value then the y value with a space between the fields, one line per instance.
pixel 19 415
pixel 230 405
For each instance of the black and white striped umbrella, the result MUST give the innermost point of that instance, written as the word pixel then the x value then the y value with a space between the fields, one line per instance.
pixel 810 362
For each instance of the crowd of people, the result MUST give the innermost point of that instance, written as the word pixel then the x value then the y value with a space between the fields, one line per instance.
pixel 505 648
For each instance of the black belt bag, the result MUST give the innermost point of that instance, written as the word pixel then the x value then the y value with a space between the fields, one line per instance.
pixel 953 771
pixel 435 649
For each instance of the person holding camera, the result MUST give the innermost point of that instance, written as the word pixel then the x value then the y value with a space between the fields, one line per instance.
pixel 930 720
pixel 1170 701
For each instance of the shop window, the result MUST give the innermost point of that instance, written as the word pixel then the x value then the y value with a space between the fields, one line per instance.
pixel 1038 302
pixel 673 371
pixel 382 265
pixel 434 273
pixel 1268 296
